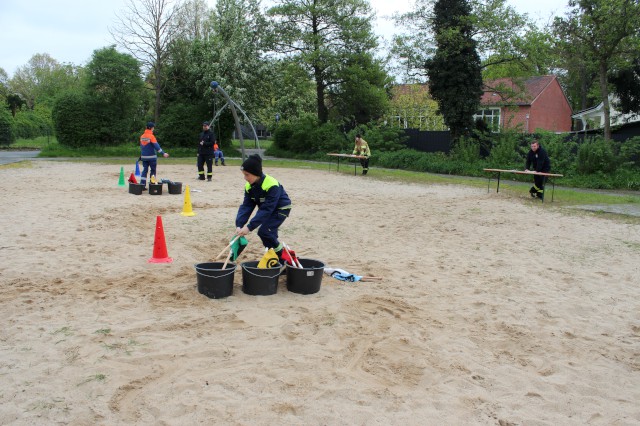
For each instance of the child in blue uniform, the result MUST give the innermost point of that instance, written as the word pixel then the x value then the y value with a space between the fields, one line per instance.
pixel 148 148
pixel 273 203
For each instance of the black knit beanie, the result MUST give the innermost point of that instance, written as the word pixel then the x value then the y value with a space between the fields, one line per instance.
pixel 253 165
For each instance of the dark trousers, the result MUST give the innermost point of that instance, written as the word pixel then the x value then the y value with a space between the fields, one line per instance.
pixel 364 162
pixel 147 166
pixel 205 159
pixel 538 181
pixel 268 231
pixel 219 156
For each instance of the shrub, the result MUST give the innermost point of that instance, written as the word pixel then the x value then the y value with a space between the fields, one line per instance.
pixel 72 121
pixel 466 150
pixel 6 131
pixel 630 153
pixel 562 152
pixel 596 155
pixel 504 154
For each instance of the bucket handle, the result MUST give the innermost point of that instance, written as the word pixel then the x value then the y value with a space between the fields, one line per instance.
pixel 215 276
pixel 263 276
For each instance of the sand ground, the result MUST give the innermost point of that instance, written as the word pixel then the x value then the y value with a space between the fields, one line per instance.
pixel 494 309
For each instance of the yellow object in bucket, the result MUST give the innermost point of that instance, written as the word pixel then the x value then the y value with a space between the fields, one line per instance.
pixel 269 260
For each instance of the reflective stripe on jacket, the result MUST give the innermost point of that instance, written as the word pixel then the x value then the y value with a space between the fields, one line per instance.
pixel 268 195
pixel 148 146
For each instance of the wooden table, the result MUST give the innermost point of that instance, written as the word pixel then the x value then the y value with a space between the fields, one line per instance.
pixel 546 176
pixel 339 156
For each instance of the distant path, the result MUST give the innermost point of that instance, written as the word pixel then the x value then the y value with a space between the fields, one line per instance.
pixel 7 157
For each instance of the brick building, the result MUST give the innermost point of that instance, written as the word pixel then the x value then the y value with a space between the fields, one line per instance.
pixel 527 104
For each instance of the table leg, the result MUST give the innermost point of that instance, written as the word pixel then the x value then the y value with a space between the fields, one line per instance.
pixel 498 187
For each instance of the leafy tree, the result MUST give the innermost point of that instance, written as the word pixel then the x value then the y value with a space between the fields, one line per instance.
pixel 4 83
pixel 239 40
pixel 531 54
pixel 42 79
pixel 605 28
pixel 146 29
pixel 413 107
pixel 291 93
pixel 454 72
pixel 15 102
pixel 114 84
pixel 193 20
pixel 323 36
pixel 577 73
pixel 231 54
pixel 627 87
pixel 362 95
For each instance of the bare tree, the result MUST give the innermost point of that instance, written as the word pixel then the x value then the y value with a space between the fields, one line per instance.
pixel 145 29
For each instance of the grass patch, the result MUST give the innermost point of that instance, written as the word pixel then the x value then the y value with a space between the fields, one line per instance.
pixel 37 143
pixel 65 331
pixel 126 348
pixel 251 144
pixel 19 165
pixel 101 378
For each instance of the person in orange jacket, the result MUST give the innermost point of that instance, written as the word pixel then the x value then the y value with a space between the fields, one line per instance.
pixel 218 153
pixel 149 146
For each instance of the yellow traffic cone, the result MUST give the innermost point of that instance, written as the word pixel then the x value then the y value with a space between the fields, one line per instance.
pixel 187 210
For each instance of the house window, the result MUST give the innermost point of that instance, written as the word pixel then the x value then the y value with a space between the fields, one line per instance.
pixel 491 116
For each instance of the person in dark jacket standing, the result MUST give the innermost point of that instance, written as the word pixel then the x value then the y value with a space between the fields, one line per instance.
pixel 205 152
pixel 148 148
pixel 274 205
pixel 539 160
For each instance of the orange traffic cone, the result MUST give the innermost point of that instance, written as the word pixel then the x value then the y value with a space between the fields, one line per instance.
pixel 132 178
pixel 187 210
pixel 160 254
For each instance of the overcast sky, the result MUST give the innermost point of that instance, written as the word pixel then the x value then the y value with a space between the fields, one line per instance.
pixel 70 30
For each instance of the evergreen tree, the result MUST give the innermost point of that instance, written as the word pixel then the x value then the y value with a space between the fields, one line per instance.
pixel 455 77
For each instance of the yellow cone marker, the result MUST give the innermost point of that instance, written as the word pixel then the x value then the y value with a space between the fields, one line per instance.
pixel 187 210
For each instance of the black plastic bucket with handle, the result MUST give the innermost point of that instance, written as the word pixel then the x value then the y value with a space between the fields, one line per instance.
pixel 213 281
pixel 305 280
pixel 259 281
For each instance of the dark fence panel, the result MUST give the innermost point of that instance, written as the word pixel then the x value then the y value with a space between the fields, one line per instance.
pixel 618 133
pixel 428 141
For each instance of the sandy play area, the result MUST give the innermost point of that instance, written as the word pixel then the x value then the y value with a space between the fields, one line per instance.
pixel 493 310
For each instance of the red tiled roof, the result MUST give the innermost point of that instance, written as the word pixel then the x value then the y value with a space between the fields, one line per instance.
pixel 513 91
pixel 404 89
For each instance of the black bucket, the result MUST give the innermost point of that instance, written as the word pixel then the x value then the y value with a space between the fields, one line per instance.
pixel 155 189
pixel 175 187
pixel 305 280
pixel 259 281
pixel 213 281
pixel 135 188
